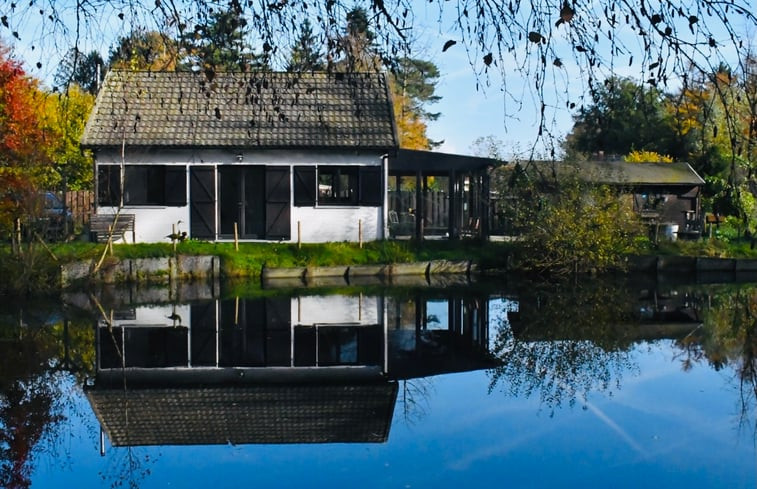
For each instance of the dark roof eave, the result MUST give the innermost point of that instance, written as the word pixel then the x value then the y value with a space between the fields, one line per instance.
pixel 389 149
pixel 653 184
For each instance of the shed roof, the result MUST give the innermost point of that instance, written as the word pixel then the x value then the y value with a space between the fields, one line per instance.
pixel 630 174
pixel 242 110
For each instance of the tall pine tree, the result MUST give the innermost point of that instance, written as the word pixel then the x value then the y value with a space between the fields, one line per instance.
pixel 305 54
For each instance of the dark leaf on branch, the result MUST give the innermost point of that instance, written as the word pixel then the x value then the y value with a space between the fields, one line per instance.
pixel 656 19
pixel 488 59
pixel 448 45
pixel 534 37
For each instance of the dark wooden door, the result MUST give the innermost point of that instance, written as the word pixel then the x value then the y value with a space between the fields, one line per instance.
pixel 203 334
pixel 277 202
pixel 202 202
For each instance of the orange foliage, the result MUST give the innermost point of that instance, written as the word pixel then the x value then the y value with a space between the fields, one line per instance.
pixel 22 143
pixel 411 129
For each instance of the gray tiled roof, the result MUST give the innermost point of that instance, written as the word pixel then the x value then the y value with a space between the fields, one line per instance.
pixel 242 110
pixel 251 414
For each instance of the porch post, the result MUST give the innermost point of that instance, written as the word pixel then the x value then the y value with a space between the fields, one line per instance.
pixel 385 210
pixel 418 205
pixel 453 199
pixel 486 204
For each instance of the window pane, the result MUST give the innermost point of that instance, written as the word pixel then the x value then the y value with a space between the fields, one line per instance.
pixel 144 185
pixel 337 185
pixel 108 185
pixel 326 185
pixel 176 185
pixel 344 187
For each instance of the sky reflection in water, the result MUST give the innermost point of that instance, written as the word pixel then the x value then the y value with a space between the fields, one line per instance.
pixel 646 421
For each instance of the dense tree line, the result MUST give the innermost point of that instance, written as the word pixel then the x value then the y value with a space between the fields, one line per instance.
pixel 710 122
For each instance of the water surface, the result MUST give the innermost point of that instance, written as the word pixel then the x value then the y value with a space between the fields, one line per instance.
pixel 514 383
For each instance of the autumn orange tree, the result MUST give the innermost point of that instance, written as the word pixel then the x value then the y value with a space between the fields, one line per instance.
pixel 23 149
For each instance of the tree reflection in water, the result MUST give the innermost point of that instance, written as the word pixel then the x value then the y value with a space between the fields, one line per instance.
pixel 729 339
pixel 566 341
pixel 36 353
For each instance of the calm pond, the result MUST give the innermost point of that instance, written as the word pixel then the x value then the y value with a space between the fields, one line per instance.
pixel 641 383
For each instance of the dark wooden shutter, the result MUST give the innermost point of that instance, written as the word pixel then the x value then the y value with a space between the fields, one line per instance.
pixel 277 207
pixel 176 186
pixel 304 186
pixel 202 202
pixel 371 185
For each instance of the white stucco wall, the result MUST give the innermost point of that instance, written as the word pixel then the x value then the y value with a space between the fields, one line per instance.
pixel 153 224
pixel 156 316
pixel 317 224
pixel 324 224
pixel 310 310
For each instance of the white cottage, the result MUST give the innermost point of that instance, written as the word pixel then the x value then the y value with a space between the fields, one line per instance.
pixel 265 156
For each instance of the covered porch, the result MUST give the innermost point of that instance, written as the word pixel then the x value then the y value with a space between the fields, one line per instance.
pixel 437 196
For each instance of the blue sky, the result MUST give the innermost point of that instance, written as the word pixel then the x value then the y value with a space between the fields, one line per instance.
pixel 469 110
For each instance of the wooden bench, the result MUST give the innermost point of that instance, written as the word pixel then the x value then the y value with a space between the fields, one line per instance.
pixel 100 226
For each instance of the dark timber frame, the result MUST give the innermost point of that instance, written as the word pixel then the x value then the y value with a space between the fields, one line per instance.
pixel 465 182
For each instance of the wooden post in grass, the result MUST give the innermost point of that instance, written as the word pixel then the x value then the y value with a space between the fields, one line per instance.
pixel 236 236
pixel 360 233
pixel 299 234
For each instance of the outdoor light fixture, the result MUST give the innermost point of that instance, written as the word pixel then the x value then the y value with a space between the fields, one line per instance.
pixel 240 156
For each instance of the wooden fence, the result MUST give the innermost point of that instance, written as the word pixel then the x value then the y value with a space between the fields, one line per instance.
pixel 81 203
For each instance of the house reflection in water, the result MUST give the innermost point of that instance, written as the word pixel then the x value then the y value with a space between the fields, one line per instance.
pixel 302 369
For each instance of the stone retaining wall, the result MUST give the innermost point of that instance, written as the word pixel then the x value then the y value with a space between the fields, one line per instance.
pixel 186 267
pixel 164 270
pixel 355 274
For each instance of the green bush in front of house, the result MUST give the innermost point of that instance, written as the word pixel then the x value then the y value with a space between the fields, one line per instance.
pixel 571 226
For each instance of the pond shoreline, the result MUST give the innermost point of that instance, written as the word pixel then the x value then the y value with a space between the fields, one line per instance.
pixel 170 270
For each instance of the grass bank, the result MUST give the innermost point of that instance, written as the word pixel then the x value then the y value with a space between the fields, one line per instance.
pixel 37 266
pixel 35 270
